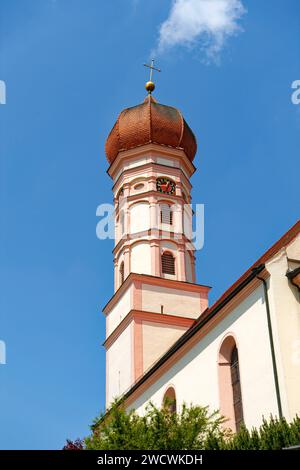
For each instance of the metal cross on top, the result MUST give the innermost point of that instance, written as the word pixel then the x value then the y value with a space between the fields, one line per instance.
pixel 150 85
pixel 151 67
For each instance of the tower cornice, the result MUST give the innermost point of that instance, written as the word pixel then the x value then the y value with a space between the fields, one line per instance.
pixel 153 280
pixel 154 235
pixel 154 317
pixel 158 197
pixel 140 170
pixel 151 150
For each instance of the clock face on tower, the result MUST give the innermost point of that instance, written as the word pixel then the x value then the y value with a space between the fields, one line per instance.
pixel 165 186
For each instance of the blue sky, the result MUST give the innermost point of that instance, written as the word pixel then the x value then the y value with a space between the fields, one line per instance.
pixel 70 66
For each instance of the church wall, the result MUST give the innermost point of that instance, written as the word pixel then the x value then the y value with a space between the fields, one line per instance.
pixel 195 375
pixel 177 219
pixel 119 363
pixel 175 301
pixel 157 339
pixel 189 268
pixel 285 309
pixel 135 163
pixel 138 185
pixel 166 161
pixel 187 221
pixel 149 329
pixel 132 164
pixel 139 217
pixel 118 312
pixel 168 245
pixel 141 258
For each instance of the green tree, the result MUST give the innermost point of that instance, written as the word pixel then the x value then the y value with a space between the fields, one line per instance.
pixel 273 434
pixel 157 429
pixel 194 428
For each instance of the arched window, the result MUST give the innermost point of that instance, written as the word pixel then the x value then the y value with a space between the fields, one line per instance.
pixel 169 401
pixel 122 273
pixel 168 263
pixel 166 214
pixel 231 405
pixel 236 388
pixel 120 194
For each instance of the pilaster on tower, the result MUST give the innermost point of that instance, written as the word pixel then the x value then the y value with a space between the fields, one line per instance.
pixel 150 150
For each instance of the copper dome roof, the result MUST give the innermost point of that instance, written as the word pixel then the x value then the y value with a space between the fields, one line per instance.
pixel 150 122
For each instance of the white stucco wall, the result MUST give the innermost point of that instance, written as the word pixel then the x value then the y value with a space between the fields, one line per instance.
pixel 121 260
pixel 119 363
pixel 195 375
pixel 175 301
pixel 136 162
pixel 139 217
pixel 138 185
pixel 293 250
pixel 188 267
pixel 122 225
pixel 177 218
pixel 285 309
pixel 168 245
pixel 141 258
pixel 187 221
pixel 157 339
pixel 166 161
pixel 118 312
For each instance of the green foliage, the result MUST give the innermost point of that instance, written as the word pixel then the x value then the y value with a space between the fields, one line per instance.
pixel 158 429
pixel 277 434
pixel 274 434
pixel 194 428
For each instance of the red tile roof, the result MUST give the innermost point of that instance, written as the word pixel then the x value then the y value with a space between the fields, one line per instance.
pixel 150 122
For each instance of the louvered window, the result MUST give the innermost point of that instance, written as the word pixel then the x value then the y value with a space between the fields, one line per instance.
pixel 166 215
pixel 168 263
pixel 122 273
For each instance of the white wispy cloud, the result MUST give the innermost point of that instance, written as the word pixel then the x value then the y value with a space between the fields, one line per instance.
pixel 206 24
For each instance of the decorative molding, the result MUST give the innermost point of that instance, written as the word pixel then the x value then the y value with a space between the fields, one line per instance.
pixel 152 151
pixel 144 316
pixel 159 236
pixel 155 281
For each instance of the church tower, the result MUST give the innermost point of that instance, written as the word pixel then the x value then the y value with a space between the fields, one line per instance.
pixel 156 299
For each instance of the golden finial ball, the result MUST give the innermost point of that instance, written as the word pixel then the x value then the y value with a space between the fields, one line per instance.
pixel 149 86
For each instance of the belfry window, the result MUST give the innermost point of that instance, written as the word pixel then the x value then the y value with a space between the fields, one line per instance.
pixel 166 214
pixel 122 273
pixel 236 388
pixel 168 263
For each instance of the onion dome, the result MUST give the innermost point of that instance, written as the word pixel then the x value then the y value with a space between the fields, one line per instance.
pixel 150 122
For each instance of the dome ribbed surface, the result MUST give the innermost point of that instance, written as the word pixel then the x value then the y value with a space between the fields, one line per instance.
pixel 150 122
